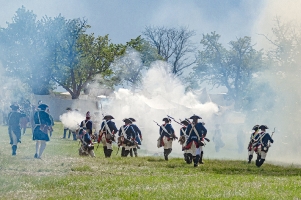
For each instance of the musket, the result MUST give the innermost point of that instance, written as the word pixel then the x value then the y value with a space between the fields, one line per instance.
pixel 272 135
pixel 175 120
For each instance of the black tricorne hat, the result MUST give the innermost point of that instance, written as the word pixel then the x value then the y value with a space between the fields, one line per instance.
pixel 263 127
pixel 166 119
pixel 132 119
pixel 68 108
pixel 255 128
pixel 43 106
pixel 185 122
pixel 108 117
pixel 126 120
pixel 195 116
pixel 14 107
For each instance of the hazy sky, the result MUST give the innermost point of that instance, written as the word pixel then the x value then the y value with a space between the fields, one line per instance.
pixel 124 20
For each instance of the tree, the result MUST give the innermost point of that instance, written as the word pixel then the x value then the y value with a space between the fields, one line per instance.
pixel 231 68
pixel 23 53
pixel 129 67
pixel 173 45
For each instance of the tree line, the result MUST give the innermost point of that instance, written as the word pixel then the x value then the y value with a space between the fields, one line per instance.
pixel 51 52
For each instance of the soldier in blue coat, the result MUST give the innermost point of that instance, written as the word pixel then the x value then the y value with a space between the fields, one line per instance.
pixel 138 138
pixel 43 123
pixel 183 137
pixel 14 129
pixel 127 136
pixel 264 140
pixel 196 133
pixel 86 124
pixel 167 135
pixel 107 133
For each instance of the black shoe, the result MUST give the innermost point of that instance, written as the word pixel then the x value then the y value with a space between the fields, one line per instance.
pixel 195 165
pixel 36 155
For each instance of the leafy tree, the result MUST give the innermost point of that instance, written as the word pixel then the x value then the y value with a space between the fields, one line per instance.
pixel 22 51
pixel 232 68
pixel 128 68
pixel 173 45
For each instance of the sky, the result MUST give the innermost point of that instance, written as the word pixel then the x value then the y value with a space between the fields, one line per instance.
pixel 125 20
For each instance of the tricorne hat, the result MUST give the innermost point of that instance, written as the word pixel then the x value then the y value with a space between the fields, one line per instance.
pixel 14 107
pixel 126 120
pixel 263 127
pixel 132 119
pixel 166 119
pixel 255 128
pixel 185 122
pixel 108 117
pixel 43 106
pixel 195 116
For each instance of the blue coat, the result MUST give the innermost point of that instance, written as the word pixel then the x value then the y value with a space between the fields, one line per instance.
pixel 14 124
pixel 265 140
pixel 41 118
pixel 183 130
pixel 202 131
pixel 111 126
pixel 169 129
pixel 129 131
pixel 138 132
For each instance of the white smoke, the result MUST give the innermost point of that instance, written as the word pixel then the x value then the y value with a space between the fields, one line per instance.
pixel 72 119
pixel 162 94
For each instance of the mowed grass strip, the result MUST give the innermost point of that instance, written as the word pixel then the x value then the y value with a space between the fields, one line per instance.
pixel 62 174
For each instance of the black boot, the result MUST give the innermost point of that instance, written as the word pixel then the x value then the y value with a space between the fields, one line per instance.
pixel 122 152
pixel 109 152
pixel 260 162
pixel 14 149
pixel 135 152
pixel 131 152
pixel 188 158
pixel 185 157
pixel 166 154
pixel 105 150
pixel 250 158
pixel 126 153
pixel 64 136
pixel 201 158
pixel 196 160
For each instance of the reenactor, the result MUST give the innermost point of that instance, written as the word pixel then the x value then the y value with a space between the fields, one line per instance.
pixel 183 137
pixel 217 138
pixel 253 144
pixel 87 146
pixel 127 136
pixel 195 142
pixel 42 122
pixel 167 135
pixel 86 124
pixel 14 129
pixel 107 134
pixel 67 129
pixel 138 138
pixel 264 144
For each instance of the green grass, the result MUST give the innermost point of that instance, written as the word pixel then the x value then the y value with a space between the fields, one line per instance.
pixel 62 174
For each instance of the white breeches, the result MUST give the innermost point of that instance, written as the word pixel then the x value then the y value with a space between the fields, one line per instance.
pixel 167 143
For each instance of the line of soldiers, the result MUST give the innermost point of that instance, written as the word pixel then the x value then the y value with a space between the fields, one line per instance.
pixel 192 138
pixel 259 143
pixel 129 136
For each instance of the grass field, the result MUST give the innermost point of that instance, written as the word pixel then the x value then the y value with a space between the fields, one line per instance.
pixel 62 174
